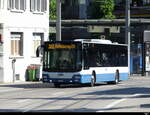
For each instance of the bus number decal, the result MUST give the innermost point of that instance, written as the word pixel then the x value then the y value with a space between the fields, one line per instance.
pixel 53 46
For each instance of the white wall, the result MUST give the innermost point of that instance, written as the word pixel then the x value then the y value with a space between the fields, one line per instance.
pixel 28 23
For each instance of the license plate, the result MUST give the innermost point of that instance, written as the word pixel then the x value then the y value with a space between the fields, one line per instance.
pixel 61 74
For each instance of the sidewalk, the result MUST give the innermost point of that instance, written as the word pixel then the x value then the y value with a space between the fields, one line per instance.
pixel 139 75
pixel 20 82
pixel 24 85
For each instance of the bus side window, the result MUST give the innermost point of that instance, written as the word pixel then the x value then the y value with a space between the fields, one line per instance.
pixel 98 59
pixel 105 60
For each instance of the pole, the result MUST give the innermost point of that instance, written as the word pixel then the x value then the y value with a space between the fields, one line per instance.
pixel 127 30
pixel 13 67
pixel 58 22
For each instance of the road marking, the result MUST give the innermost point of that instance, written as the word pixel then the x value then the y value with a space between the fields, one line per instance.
pixel 57 93
pixel 24 100
pixel 117 102
pixel 7 90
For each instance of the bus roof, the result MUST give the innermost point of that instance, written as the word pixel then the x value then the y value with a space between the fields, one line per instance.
pixel 99 41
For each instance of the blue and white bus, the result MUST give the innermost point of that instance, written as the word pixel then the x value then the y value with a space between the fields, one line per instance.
pixel 84 61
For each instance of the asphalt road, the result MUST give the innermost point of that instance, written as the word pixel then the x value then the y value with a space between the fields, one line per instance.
pixel 132 95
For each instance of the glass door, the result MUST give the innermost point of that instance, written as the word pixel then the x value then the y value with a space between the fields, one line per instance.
pixel 136 59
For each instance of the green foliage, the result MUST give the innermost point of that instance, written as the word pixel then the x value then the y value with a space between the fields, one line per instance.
pixel 107 8
pixel 99 9
pixel 103 9
pixel 52 9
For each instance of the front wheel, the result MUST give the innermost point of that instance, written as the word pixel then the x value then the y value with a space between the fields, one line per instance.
pixel 92 80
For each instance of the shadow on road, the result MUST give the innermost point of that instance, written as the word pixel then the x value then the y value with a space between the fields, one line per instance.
pixel 114 94
pixel 122 91
pixel 46 85
pixel 29 85
pixel 79 110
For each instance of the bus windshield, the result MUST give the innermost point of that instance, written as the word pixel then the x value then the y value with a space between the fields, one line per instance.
pixel 62 59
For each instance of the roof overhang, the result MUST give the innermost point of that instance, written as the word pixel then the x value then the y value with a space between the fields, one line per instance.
pixel 100 22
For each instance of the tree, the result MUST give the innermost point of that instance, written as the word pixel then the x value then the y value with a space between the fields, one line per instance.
pixel 107 8
pixel 52 9
pixel 103 9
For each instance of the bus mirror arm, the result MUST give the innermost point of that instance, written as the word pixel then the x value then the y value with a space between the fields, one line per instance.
pixel 38 50
pixel 37 53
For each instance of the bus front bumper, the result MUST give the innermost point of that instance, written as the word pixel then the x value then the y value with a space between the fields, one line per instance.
pixel 74 79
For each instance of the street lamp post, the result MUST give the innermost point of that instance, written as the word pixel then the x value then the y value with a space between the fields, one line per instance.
pixel 127 30
pixel 58 22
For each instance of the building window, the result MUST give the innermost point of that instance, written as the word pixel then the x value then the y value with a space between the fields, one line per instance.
pixel 146 2
pixel 71 2
pixel 16 44
pixel 37 41
pixel 38 5
pixel 17 5
pixel 1 4
pixel 117 1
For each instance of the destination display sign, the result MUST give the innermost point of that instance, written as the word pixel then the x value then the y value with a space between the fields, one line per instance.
pixel 64 46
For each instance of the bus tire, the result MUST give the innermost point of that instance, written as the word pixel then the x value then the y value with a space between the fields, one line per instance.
pixel 93 79
pixel 116 77
pixel 57 85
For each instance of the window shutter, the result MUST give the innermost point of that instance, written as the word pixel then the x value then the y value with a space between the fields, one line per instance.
pixel 41 5
pixel 17 4
pixel 9 4
pixel 23 4
pixel 38 5
pixel 32 4
pixel 1 3
pixel 45 5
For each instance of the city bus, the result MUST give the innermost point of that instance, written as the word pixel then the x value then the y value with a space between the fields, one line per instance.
pixel 84 61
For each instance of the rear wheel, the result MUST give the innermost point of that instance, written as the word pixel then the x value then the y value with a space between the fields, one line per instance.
pixel 93 79
pixel 116 78
pixel 116 81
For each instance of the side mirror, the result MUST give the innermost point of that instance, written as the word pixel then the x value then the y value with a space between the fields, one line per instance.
pixel 38 50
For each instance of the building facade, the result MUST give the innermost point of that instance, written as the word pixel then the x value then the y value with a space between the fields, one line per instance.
pixel 75 9
pixel 140 9
pixel 24 25
pixel 81 9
